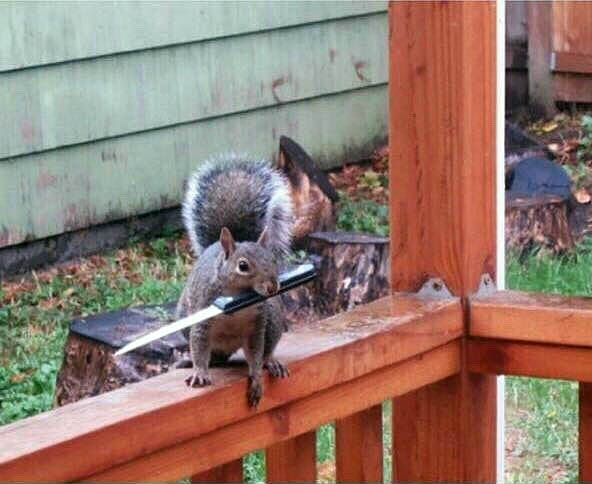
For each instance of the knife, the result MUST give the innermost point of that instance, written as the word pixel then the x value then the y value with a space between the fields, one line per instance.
pixel 225 305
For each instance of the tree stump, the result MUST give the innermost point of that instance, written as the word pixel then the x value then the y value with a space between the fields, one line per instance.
pixel 538 221
pixel 352 269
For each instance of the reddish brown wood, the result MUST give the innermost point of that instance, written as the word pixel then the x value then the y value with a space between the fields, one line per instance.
pixel 572 87
pixel 294 418
pixel 585 432
pixel 571 62
pixel 442 145
pixel 127 423
pixel 529 359
pixel 358 447
pixel 231 472
pixel 292 460
pixel 533 317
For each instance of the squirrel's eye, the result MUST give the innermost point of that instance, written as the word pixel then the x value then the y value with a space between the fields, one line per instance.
pixel 243 266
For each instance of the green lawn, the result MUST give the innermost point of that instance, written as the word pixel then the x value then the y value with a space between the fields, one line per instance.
pixel 35 312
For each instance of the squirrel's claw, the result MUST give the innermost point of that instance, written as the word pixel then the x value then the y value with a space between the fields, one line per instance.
pixel 276 369
pixel 254 392
pixel 198 379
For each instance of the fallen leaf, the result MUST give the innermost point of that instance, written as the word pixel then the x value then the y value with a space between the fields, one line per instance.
pixel 550 126
pixel 582 195
pixel 553 147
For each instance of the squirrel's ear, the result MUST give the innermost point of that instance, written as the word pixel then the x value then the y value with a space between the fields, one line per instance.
pixel 227 242
pixel 263 238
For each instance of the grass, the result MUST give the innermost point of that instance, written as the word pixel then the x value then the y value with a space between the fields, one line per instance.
pixel 35 312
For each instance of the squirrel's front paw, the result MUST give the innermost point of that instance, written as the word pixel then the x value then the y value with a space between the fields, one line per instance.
pixel 276 369
pixel 198 379
pixel 254 392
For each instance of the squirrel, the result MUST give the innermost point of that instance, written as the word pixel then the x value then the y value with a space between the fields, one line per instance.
pixel 238 214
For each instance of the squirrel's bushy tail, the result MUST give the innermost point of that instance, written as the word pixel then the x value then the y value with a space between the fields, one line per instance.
pixel 242 194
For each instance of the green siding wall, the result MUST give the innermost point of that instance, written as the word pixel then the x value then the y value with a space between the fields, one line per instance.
pixel 106 107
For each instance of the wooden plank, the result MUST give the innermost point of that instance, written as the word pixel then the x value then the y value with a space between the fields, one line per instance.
pixel 442 179
pixel 71 188
pixel 570 62
pixel 262 430
pixel 43 109
pixel 33 34
pixel 358 447
pixel 572 87
pixel 533 317
pixel 230 472
pixel 529 359
pixel 585 434
pixel 293 460
pixel 540 81
pixel 138 419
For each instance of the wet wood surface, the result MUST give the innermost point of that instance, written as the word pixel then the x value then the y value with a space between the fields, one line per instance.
pixel 442 209
pixel 500 357
pixel 143 418
pixel 533 317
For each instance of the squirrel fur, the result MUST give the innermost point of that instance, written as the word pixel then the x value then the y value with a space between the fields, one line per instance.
pixel 238 216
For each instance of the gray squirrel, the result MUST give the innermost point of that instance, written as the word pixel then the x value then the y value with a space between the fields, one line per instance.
pixel 238 215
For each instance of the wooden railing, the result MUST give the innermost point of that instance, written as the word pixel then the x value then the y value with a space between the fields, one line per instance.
pixel 159 430
pixel 436 357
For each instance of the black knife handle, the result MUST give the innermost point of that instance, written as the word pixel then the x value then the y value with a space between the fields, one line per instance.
pixel 288 280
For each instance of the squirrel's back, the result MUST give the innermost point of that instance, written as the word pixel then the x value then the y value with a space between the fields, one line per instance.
pixel 241 194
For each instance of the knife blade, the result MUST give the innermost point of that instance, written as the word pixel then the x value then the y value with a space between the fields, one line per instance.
pixel 225 305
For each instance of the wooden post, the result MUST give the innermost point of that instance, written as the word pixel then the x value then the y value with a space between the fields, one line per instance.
pixel 540 78
pixel 293 460
pixel 231 472
pixel 585 432
pixel 442 179
pixel 358 447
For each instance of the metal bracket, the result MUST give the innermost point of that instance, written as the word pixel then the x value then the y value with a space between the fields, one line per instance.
pixel 486 286
pixel 434 288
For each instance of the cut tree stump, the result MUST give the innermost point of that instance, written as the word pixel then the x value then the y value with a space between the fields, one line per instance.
pixel 538 221
pixel 352 269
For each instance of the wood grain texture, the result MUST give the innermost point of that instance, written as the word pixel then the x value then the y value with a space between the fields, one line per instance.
pixel 585 435
pixel 540 80
pixel 33 34
pixel 293 460
pixel 281 423
pixel 442 145
pixel 231 472
pixel 529 359
pixel 570 62
pixel 533 317
pixel 43 109
pixel 358 447
pixel 71 188
pixel 154 414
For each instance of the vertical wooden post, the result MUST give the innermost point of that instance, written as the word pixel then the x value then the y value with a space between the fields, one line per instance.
pixel 442 179
pixel 540 78
pixel 585 432
pixel 293 460
pixel 358 447
pixel 229 472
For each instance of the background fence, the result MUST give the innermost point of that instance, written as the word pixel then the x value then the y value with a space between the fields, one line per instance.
pixel 548 53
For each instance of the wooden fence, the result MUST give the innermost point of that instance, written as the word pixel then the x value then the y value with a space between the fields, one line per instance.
pixel 435 354
pixel 549 52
